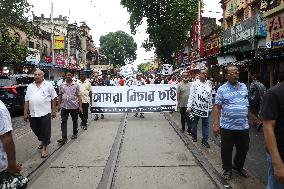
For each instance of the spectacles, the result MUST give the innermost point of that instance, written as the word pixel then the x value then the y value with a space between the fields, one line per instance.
pixel 234 73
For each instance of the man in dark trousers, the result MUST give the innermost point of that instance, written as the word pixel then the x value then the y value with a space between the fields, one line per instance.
pixel 86 96
pixel 70 102
pixel 183 90
pixel 231 103
pixel 41 103
pixel 273 127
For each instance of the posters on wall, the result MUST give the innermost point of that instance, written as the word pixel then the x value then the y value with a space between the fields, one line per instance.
pixel 167 69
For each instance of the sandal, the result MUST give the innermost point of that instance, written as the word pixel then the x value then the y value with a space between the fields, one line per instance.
pixel 44 154
pixel 227 175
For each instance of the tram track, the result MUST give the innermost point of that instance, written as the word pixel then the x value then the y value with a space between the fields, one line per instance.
pixel 208 168
pixel 110 172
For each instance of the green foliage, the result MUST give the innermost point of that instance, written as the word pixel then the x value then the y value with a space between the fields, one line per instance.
pixel 168 22
pixel 119 47
pixel 13 17
pixel 141 68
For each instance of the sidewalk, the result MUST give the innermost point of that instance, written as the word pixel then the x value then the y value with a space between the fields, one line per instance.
pixel 151 155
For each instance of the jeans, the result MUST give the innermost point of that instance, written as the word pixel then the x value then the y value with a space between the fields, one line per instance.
pixel 272 182
pixel 205 127
pixel 84 114
pixel 41 126
pixel 230 138
pixel 64 117
pixel 185 118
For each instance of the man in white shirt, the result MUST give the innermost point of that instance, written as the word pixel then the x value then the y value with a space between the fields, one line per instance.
pixel 200 106
pixel 86 96
pixel 41 103
pixel 8 163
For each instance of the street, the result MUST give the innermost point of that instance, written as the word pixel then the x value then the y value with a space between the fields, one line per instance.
pixel 122 151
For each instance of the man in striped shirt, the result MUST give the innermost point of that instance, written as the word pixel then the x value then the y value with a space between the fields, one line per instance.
pixel 231 103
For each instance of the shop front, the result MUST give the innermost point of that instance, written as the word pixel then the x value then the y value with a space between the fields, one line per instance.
pixel 274 53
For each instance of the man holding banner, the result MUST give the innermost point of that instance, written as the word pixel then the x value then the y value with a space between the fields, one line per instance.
pixel 200 106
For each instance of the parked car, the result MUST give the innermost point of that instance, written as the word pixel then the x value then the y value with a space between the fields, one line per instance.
pixel 13 90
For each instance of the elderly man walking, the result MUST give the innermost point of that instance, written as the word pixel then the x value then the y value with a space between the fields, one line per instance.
pixel 41 103
pixel 231 103
pixel 70 103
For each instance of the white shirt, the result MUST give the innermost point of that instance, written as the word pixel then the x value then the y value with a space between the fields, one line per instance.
pixel 200 94
pixel 39 98
pixel 85 89
pixel 5 127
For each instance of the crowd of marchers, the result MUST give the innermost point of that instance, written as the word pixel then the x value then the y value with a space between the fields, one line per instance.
pixel 235 107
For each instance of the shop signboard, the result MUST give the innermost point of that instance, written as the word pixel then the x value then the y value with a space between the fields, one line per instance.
pixel 59 42
pixel 60 59
pixel 275 27
pixel 34 56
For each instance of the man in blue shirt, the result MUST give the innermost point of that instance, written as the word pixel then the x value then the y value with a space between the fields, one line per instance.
pixel 231 103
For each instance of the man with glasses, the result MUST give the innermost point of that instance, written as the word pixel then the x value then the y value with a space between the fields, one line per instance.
pixel 200 106
pixel 231 103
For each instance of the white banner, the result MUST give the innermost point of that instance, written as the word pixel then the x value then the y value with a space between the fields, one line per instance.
pixel 146 98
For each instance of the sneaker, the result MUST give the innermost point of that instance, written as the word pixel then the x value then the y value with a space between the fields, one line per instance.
pixel 194 140
pixel 136 114
pixel 227 175
pixel 182 130
pixel 205 144
pixel 243 172
pixel 142 116
pixel 73 136
pixel 62 141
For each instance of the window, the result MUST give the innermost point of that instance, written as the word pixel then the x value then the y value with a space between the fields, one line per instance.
pixel 45 50
pixel 31 44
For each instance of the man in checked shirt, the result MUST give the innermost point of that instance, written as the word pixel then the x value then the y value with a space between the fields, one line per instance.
pixel 70 102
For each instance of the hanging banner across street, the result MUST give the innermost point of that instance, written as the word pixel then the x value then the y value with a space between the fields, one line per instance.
pixel 122 99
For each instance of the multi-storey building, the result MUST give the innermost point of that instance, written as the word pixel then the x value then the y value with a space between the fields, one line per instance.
pixel 245 40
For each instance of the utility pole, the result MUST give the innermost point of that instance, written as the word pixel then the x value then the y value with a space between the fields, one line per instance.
pixel 52 36
pixel 199 30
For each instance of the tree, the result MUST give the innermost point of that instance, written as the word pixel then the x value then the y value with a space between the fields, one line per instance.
pixel 13 18
pixel 119 48
pixel 168 23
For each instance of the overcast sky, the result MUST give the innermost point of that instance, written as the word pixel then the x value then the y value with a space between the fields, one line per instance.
pixel 104 16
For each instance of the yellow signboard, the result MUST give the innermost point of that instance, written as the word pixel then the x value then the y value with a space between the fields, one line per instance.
pixel 59 42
